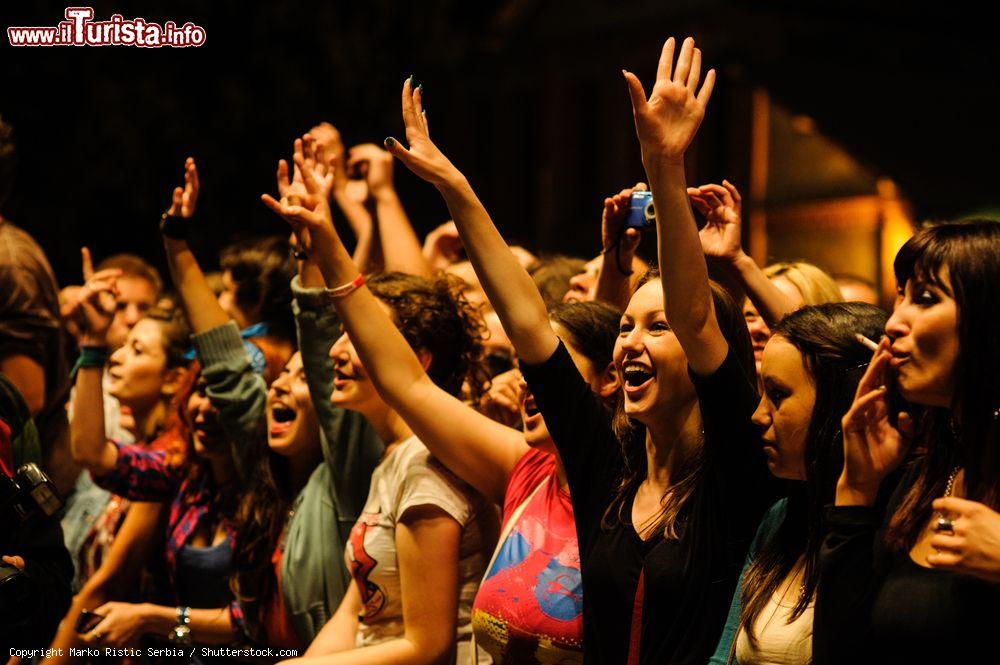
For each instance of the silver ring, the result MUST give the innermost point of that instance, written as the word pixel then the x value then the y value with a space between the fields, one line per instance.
pixel 944 524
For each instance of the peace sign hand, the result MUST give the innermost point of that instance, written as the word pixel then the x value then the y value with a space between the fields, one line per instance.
pixel 667 122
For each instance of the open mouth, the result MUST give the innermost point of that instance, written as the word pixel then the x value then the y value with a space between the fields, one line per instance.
pixel 207 432
pixel 636 376
pixel 340 378
pixel 282 418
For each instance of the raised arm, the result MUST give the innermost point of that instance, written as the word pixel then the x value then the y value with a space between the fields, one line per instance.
pixel 234 389
pixel 507 284
pixel 666 124
pixel 199 301
pixel 401 249
pixel 618 247
pixel 440 420
pixel 349 196
pixel 722 207
pixel 93 312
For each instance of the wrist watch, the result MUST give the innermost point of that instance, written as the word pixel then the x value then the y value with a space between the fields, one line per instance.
pixel 181 633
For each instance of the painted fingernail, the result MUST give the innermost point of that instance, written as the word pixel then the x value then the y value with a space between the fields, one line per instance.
pixel 410 80
pixel 420 88
pixel 389 142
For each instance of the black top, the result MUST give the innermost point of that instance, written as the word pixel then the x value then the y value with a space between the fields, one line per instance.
pixel 687 583
pixel 879 606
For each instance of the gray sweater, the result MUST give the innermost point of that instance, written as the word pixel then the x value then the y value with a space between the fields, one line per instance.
pixel 313 575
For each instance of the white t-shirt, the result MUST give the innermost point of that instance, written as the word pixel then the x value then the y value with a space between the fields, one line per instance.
pixel 406 478
pixel 778 642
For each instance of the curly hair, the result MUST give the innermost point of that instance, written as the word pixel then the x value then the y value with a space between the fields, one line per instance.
pixel 435 317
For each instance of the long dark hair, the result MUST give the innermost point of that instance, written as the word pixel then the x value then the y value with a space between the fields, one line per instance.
pixel 632 434
pixel 835 362
pixel 967 434
pixel 260 520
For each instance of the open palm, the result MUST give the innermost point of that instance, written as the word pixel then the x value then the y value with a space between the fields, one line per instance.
pixel 423 157
pixel 667 122
pixel 722 208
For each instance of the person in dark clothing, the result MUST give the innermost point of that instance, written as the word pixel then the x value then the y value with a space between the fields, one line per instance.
pixel 661 558
pixel 35 569
pixel 892 587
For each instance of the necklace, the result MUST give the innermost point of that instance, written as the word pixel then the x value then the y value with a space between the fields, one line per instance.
pixel 951 481
pixel 941 520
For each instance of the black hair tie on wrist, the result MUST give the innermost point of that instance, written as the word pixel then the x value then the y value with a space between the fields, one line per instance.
pixel 176 227
pixel 617 247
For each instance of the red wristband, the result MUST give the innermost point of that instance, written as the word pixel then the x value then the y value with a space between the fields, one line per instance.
pixel 345 289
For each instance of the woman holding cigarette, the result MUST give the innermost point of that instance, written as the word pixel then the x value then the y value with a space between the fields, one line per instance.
pixel 895 585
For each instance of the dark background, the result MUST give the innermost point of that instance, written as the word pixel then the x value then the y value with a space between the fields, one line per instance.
pixel 525 96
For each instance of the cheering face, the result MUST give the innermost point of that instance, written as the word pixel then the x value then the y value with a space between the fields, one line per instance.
pixel 785 408
pixel 924 333
pixel 759 332
pixel 135 296
pixel 137 369
pixel 291 419
pixel 207 435
pixel 649 358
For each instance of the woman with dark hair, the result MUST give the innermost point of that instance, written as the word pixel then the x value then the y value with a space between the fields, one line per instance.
pixel 306 463
pixel 661 557
pixel 810 372
pixel 255 294
pixel 880 597
pixel 417 552
pixel 518 470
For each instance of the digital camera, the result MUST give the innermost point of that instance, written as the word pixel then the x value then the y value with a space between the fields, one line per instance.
pixel 28 494
pixel 641 214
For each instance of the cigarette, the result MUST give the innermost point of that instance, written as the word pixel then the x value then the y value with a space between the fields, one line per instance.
pixel 864 341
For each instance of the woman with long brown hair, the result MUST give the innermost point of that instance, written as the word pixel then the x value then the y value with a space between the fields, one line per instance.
pixel 881 598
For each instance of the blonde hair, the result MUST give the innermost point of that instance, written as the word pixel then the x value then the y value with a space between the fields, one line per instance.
pixel 816 286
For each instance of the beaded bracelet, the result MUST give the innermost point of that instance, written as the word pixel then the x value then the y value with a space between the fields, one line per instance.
pixel 346 289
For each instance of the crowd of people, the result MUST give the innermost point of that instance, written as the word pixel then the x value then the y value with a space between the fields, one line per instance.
pixel 354 447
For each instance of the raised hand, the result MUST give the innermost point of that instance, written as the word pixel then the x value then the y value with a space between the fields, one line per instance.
pixel 613 218
pixel 92 308
pixel 375 163
pixel 873 448
pixel 722 207
pixel 973 546
pixel 667 122
pixel 422 157
pixel 186 198
pixel 502 402
pixel 306 208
